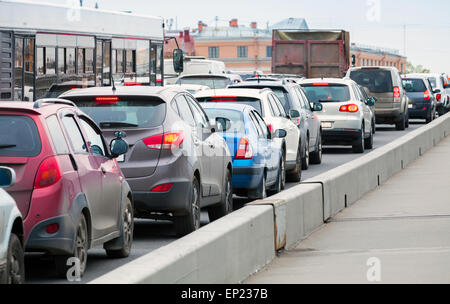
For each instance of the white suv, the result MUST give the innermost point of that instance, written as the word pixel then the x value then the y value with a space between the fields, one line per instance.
pixel 11 233
pixel 346 116
pixel 269 106
pixel 438 82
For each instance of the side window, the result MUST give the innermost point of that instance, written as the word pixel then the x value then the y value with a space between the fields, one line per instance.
pixel 95 139
pixel 174 106
pixel 273 106
pixel 185 111
pixel 199 115
pixel 304 100
pixel 262 124
pixel 256 124
pixel 74 134
pixel 295 99
pixel 279 105
pixel 58 139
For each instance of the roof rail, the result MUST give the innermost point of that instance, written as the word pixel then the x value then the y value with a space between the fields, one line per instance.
pixel 41 102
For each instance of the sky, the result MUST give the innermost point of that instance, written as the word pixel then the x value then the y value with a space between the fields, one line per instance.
pixel 418 27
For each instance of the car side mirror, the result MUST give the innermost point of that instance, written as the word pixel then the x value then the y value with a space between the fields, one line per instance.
pixel 294 114
pixel 7 177
pixel 436 91
pixel 280 133
pixel 371 101
pixel 317 107
pixel 178 58
pixel 118 146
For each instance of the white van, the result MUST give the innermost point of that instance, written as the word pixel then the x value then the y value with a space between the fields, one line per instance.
pixel 196 65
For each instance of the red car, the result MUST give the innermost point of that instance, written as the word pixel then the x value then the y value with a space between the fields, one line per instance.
pixel 69 189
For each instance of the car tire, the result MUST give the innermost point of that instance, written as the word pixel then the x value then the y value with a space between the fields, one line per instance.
pixel 15 265
pixel 226 205
pixel 316 156
pixel 374 127
pixel 295 175
pixel 260 192
pixel 279 184
pixel 81 244
pixel 358 144
pixel 401 125
pixel 407 120
pixel 368 142
pixel 190 222
pixel 127 229
pixel 305 159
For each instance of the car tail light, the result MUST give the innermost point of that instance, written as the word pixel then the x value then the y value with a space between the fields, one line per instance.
pixel 52 228
pixel 438 97
pixel 244 150
pixel 397 93
pixel 351 108
pixel 320 84
pixel 427 95
pixel 162 188
pixel 108 100
pixel 48 173
pixel 296 121
pixel 223 98
pixel 166 141
pixel 129 84
pixel 270 127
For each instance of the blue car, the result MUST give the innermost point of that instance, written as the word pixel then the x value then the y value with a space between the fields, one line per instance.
pixel 258 166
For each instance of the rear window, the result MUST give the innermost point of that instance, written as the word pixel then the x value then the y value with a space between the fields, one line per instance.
pixel 236 118
pixel 19 136
pixel 123 111
pixel 376 80
pixel 281 93
pixel 327 92
pixel 254 102
pixel 211 82
pixel 414 85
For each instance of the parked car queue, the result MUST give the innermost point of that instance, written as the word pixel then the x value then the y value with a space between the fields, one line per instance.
pixel 170 155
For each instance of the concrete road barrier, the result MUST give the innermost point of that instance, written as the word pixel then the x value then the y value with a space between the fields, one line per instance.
pixel 236 246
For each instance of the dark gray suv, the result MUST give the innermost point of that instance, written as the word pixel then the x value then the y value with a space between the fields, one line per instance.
pixel 176 163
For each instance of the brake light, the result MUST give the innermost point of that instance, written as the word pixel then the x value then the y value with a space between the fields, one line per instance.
pixel 320 84
pixel 223 98
pixel 108 100
pixel 438 97
pixel 244 150
pixel 162 188
pixel 427 95
pixel 397 92
pixel 129 84
pixel 48 173
pixel 52 228
pixel 351 108
pixel 296 121
pixel 270 128
pixel 167 141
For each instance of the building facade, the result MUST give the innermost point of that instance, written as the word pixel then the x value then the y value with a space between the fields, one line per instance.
pixel 375 56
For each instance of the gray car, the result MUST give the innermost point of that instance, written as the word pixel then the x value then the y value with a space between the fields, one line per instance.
pixel 176 163
pixel 11 233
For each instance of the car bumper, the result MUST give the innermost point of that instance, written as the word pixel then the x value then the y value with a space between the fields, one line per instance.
pixel 247 177
pixel 420 111
pixel 339 136
pixel 388 115
pixel 59 243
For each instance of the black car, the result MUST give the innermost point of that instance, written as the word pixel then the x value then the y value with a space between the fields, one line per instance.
pixel 422 103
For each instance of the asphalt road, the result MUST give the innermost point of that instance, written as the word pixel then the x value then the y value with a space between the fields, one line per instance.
pixel 150 235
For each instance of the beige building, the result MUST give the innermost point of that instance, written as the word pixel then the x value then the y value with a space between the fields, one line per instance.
pixel 375 56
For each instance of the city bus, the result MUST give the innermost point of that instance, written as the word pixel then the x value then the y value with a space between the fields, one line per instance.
pixel 47 49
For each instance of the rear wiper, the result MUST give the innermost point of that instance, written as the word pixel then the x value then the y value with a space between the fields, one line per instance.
pixel 6 146
pixel 112 124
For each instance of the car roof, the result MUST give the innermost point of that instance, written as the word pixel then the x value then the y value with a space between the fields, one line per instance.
pixel 252 93
pixel 156 91
pixel 204 75
pixel 373 68
pixel 346 81
pixel 262 83
pixel 226 105
pixel 32 108
pixel 415 75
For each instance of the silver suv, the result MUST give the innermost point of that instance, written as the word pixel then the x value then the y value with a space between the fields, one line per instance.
pixel 385 84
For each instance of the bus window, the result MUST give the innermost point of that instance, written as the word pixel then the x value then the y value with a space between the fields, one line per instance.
pixel 99 63
pixel 18 68
pixel 106 63
pixel 159 58
pixel 89 61
pixel 80 61
pixel 61 61
pixel 70 61
pixel 143 62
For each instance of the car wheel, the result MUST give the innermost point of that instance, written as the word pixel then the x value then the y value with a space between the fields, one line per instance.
pixel 261 191
pixel 358 145
pixel 296 175
pixel 191 221
pixel 305 159
pixel 407 120
pixel 316 156
pixel 374 127
pixel 15 266
pixel 368 142
pixel 401 125
pixel 126 233
pixel 279 184
pixel 80 250
pixel 226 205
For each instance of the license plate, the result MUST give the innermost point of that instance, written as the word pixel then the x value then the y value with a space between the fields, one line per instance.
pixel 410 106
pixel 121 158
pixel 327 125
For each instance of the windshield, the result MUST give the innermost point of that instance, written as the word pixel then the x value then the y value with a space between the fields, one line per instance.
pixel 327 92
pixel 211 82
pixel 236 118
pixel 123 111
pixel 19 136
pixel 254 102
pixel 376 80
pixel 414 85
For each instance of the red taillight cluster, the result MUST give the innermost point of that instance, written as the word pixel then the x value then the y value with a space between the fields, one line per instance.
pixel 107 100
pixel 48 173
pixel 397 92
pixel 166 141
pixel 427 95
pixel 438 97
pixel 351 108
pixel 244 150
pixel 129 84
pixel 270 127
pixel 162 188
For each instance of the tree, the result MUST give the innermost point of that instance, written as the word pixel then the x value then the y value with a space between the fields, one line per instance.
pixel 410 68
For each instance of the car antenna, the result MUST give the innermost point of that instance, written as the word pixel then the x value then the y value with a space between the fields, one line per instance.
pixel 112 82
